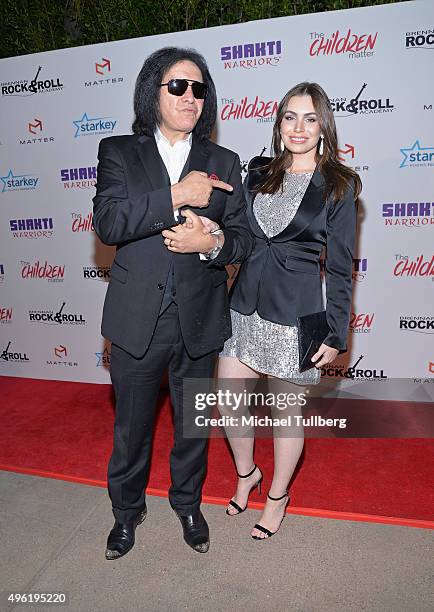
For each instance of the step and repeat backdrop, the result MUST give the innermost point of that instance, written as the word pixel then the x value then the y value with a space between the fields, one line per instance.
pixel 376 65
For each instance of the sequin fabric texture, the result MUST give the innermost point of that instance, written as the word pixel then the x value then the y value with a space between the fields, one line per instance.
pixel 265 346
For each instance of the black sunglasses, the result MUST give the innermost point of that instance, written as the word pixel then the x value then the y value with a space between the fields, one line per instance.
pixel 178 87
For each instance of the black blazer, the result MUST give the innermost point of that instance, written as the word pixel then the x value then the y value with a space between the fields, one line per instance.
pixel 132 206
pixel 281 278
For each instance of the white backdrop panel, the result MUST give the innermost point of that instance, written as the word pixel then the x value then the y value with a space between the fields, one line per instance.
pixel 375 64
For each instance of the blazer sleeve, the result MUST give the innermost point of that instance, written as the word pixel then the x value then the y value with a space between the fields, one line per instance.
pixel 238 238
pixel 117 217
pixel 341 237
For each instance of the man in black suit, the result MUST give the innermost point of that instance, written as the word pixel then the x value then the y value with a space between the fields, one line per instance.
pixel 166 304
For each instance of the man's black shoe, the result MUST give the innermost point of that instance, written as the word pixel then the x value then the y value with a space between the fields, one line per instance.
pixel 196 531
pixel 121 538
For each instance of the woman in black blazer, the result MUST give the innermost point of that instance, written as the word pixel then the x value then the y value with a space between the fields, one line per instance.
pixel 299 203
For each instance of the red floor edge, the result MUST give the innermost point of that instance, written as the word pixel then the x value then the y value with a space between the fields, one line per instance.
pixel 65 428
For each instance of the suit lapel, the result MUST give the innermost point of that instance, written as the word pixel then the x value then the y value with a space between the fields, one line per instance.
pixel 152 163
pixel 197 159
pixel 310 206
pixel 255 227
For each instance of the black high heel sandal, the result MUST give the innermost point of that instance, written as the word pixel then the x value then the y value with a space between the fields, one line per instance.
pixel 264 529
pixel 257 484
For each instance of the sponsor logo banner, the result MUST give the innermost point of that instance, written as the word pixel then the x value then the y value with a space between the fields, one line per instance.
pixel 415 267
pixel 357 371
pixel 93 126
pixel 43 270
pixel 81 223
pixel 417 323
pixel 421 39
pixel 102 74
pixel 18 182
pixel 358 105
pixel 35 128
pixel 347 154
pixel 9 353
pixel 360 268
pixel 60 358
pixel 417 156
pixel 6 315
pixel 103 358
pixel 361 323
pixel 251 55
pixel 263 111
pixel 348 43
pixel 100 273
pixel 39 84
pixel 408 214
pixel 78 178
pixel 39 227
pixel 59 317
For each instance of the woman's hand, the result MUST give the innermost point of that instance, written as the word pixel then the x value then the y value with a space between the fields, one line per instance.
pixel 189 238
pixel 324 355
pixel 208 225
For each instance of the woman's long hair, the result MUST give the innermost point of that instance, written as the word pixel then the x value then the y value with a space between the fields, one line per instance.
pixel 147 91
pixel 338 177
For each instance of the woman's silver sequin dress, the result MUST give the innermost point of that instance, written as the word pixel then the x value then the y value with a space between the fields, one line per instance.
pixel 268 347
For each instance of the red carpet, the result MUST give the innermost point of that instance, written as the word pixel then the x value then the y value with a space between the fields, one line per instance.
pixel 64 430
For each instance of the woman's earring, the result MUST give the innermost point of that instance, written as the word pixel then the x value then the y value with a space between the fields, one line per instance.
pixel 282 146
pixel 321 144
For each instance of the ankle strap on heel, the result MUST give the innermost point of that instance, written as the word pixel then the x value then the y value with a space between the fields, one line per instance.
pixel 249 474
pixel 278 498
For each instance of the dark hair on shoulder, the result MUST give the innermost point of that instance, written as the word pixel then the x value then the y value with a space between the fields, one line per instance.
pixel 338 177
pixel 147 91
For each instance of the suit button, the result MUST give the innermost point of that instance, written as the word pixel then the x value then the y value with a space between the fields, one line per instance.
pixel 268 241
pixel 160 286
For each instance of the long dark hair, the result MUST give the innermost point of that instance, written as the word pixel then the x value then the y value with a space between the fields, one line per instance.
pixel 337 176
pixel 147 91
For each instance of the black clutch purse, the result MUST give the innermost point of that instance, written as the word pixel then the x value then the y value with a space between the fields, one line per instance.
pixel 312 331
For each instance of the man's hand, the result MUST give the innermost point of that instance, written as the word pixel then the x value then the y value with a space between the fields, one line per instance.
pixel 325 354
pixel 195 189
pixel 189 239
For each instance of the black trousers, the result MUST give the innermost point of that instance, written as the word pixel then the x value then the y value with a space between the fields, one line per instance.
pixel 136 384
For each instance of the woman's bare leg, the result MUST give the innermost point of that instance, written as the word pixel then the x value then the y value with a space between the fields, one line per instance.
pixel 288 445
pixel 242 447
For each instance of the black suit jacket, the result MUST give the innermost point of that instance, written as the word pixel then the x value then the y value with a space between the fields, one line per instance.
pixel 281 278
pixel 131 208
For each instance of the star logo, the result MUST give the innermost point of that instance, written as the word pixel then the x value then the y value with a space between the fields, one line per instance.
pixel 103 358
pixel 78 123
pixel 5 178
pixel 9 177
pixel 93 125
pixel 416 153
